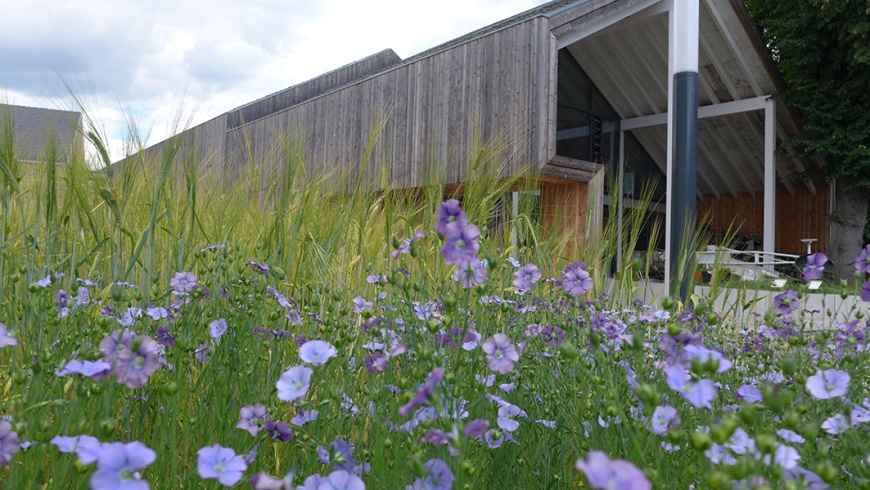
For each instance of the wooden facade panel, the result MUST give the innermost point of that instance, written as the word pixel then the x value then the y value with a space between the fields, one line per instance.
pixel 435 107
pixel 798 216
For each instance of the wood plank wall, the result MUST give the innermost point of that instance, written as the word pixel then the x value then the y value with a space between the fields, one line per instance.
pixel 800 216
pixel 432 112
pixel 312 88
pixel 563 211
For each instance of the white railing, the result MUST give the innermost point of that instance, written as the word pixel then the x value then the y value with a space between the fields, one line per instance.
pixel 761 264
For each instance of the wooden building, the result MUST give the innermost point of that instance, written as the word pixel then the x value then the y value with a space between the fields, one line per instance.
pixel 576 88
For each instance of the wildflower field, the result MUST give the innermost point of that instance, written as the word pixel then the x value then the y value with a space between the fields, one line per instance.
pixel 161 329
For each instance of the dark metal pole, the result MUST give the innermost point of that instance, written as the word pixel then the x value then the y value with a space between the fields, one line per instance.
pixel 683 202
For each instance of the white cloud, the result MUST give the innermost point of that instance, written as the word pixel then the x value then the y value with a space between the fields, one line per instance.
pixel 153 57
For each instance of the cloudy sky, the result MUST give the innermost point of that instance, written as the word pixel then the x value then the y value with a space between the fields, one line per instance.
pixel 160 61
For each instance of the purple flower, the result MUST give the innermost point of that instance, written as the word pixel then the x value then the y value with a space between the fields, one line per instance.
pixel 526 277
pixel 278 431
pixel 112 345
pixel 217 328
pixel 507 417
pixel 164 337
pixel 183 282
pixel 96 370
pixel 87 448
pixel 862 262
pixel 837 424
pixel 250 414
pixel 44 282
pixel 9 443
pixel 501 353
pixel 119 464
pixel 316 352
pixel 201 353
pixel 603 473
pixel 438 477
pixel 341 480
pixel 785 302
pixel 749 394
pixel 663 419
pixel 294 383
pixel 865 292
pixel 221 463
pixel 830 383
pixel 420 398
pixel 135 365
pixel 492 441
pixel 405 248
pixel 261 268
pixel 6 339
pixel 815 266
pixel 576 280
pixel 360 304
pixel 472 273
pixel 303 417
pixel 476 428
pixel 460 243
pixel 698 393
pixel 263 481
pixel 704 354
pixel 450 212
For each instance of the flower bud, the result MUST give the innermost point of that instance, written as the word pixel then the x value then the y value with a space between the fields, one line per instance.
pixel 701 441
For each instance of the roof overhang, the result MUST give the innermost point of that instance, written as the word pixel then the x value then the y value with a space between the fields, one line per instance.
pixel 623 47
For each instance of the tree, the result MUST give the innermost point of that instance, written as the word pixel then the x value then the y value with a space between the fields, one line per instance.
pixel 822 48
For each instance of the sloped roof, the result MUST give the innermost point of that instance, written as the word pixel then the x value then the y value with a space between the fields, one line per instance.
pixel 34 127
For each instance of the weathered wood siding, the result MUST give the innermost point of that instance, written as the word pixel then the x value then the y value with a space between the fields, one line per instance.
pixel 802 215
pixel 318 86
pixel 431 113
pixel 204 143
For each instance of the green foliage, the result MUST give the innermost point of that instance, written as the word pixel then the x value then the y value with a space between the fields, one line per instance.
pixel 822 48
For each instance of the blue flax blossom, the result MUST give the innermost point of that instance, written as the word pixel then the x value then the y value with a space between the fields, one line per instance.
pixel 576 280
pixel 6 340
pixel 294 383
pixel 44 282
pixel 115 343
pixel 278 431
pixel 134 366
pixel 405 247
pixel 865 292
pixel 476 427
pixel 119 464
pixel 251 417
pixel 316 352
pixel 460 244
pixel 438 477
pixel 618 474
pixel 341 480
pixel 815 266
pixel 183 282
pixel 472 273
pixel 785 302
pixel 261 268
pixel 9 443
pixel 663 419
pixel 704 355
pixel 264 481
pixel 830 383
pixel 500 353
pixel 87 448
pixel 95 370
pixel 507 417
pixel 862 262
pixel 837 424
pixel 217 328
pixel 425 391
pixel 448 213
pixel 699 393
pixel 220 463
pixel 526 277
pixel 360 304
pixel 749 394
pixel 304 416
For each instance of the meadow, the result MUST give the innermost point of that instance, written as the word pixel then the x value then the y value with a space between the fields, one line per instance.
pixel 162 328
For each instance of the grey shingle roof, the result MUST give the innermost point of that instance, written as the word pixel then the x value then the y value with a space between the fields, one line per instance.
pixel 34 126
